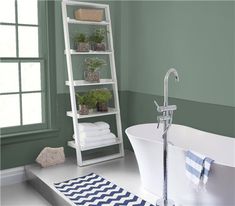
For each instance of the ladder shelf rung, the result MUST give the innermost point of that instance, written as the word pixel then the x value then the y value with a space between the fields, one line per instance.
pixel 100 23
pixel 110 111
pixel 91 52
pixel 80 83
pixel 102 159
pixel 75 146
pixel 85 4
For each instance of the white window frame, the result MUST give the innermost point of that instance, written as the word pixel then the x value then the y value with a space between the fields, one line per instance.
pixel 42 38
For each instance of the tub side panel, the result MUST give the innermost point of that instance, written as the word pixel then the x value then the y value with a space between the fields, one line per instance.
pixel 149 158
pixel 219 190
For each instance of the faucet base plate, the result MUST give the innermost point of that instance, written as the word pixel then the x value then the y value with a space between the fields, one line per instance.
pixel 162 202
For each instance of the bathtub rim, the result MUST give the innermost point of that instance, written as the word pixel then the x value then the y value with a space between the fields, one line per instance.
pixel 178 147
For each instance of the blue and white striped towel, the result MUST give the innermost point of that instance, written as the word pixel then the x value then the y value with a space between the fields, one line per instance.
pixel 197 167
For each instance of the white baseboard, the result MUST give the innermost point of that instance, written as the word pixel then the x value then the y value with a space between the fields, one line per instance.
pixel 13 176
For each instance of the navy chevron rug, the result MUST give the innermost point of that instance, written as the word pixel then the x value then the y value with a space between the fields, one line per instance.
pixel 94 190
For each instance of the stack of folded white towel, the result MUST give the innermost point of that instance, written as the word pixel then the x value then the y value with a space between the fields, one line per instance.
pixel 95 134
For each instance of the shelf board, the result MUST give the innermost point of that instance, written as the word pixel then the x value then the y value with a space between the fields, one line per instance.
pixel 102 159
pixel 91 52
pixel 100 23
pixel 73 145
pixel 85 4
pixel 80 83
pixel 111 111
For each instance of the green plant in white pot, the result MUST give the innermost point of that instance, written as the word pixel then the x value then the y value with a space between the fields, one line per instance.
pixel 93 65
pixel 82 42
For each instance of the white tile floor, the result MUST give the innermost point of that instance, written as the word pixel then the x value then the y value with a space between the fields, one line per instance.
pixel 21 194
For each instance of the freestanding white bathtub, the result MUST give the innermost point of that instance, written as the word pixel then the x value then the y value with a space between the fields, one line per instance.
pixel 146 141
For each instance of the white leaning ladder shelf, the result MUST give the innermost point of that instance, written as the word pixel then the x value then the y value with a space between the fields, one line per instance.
pixel 71 83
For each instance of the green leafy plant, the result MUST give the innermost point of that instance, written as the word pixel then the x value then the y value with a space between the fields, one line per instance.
pixel 82 99
pixel 87 99
pixel 102 95
pixel 98 36
pixel 93 64
pixel 81 38
pixel 91 101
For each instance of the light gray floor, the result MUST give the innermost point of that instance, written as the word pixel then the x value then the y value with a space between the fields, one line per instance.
pixel 21 194
pixel 123 172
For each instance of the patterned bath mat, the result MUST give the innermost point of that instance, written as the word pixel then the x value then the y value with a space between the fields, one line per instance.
pixel 94 190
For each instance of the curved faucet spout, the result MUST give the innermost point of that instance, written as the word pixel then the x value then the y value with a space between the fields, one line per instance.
pixel 169 72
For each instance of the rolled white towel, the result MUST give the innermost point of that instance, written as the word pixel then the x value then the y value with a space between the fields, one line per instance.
pixel 102 125
pixel 98 139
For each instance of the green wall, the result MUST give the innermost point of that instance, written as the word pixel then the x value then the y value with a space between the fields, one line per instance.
pixel 194 37
pixel 204 116
pixel 197 38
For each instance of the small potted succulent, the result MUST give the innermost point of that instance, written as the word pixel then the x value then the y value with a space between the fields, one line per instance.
pixel 86 102
pixel 82 42
pixel 102 97
pixel 91 73
pixel 97 40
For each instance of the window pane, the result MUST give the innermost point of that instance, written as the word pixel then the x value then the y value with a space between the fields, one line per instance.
pixel 32 108
pixel 31 76
pixel 7 41
pixel 28 41
pixel 9 110
pixel 27 11
pixel 7 11
pixel 9 77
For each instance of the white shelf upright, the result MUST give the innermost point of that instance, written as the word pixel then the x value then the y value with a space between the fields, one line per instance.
pixel 71 83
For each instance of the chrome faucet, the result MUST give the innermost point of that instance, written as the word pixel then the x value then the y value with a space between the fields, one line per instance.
pixel 166 118
pixel 169 72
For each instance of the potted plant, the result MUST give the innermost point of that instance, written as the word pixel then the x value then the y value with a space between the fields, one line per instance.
pixel 91 73
pixel 86 103
pixel 102 97
pixel 97 40
pixel 91 101
pixel 82 42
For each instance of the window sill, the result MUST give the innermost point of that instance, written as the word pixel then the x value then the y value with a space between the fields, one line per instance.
pixel 28 136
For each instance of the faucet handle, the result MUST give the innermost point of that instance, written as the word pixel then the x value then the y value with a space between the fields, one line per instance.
pixel 157 105
pixel 168 108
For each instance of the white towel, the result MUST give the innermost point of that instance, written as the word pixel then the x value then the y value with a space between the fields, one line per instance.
pixel 102 125
pixel 92 134
pixel 99 143
pixel 197 167
pixel 85 127
pixel 82 127
pixel 97 139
